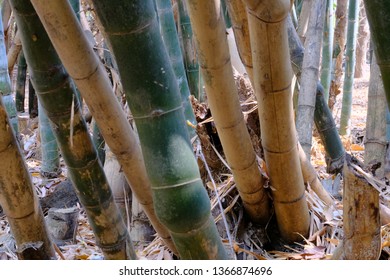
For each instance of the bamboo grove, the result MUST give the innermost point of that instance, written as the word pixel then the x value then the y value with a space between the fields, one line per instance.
pixel 161 59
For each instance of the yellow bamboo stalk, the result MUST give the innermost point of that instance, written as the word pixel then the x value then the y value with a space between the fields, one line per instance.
pixel 13 52
pixel 91 79
pixel 239 18
pixel 272 77
pixel 214 60
pixel 18 198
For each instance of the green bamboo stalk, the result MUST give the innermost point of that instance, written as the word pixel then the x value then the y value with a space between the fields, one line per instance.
pixel 181 201
pixel 378 12
pixel 32 100
pixel 75 4
pixel 225 13
pixel 172 44
pixel 323 117
pixel 5 83
pixel 310 75
pixel 56 93
pixel 338 51
pixel 327 49
pixel 20 90
pixel 349 69
pixel 189 52
pixel 50 165
pixel 18 198
pixel 91 78
pixel 98 142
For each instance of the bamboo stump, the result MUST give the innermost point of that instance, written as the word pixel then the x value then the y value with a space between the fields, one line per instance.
pixel 62 225
pixel 362 237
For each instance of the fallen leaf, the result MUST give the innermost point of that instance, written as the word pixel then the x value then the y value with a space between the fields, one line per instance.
pixel 356 148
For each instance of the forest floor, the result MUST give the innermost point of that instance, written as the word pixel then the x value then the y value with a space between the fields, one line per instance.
pixel 242 239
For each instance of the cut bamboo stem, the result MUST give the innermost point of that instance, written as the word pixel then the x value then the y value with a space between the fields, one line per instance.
pixel 362 235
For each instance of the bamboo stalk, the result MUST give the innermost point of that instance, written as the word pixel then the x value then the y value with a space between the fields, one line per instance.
pixel 91 79
pixel 5 83
pixel 349 69
pixel 171 41
pixel 323 118
pixel 20 88
pixel 272 69
pixel 50 166
pixel 18 198
pixel 338 51
pixel 222 96
pixel 190 54
pixel 240 26
pixel 303 21
pixel 310 75
pixel 327 48
pixel 362 40
pixel 378 18
pixel 181 201
pixel 375 140
pixel 13 52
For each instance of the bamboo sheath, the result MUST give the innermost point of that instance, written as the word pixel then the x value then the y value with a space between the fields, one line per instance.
pixel 222 96
pixel 271 61
pixel 18 198
pixel 91 79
